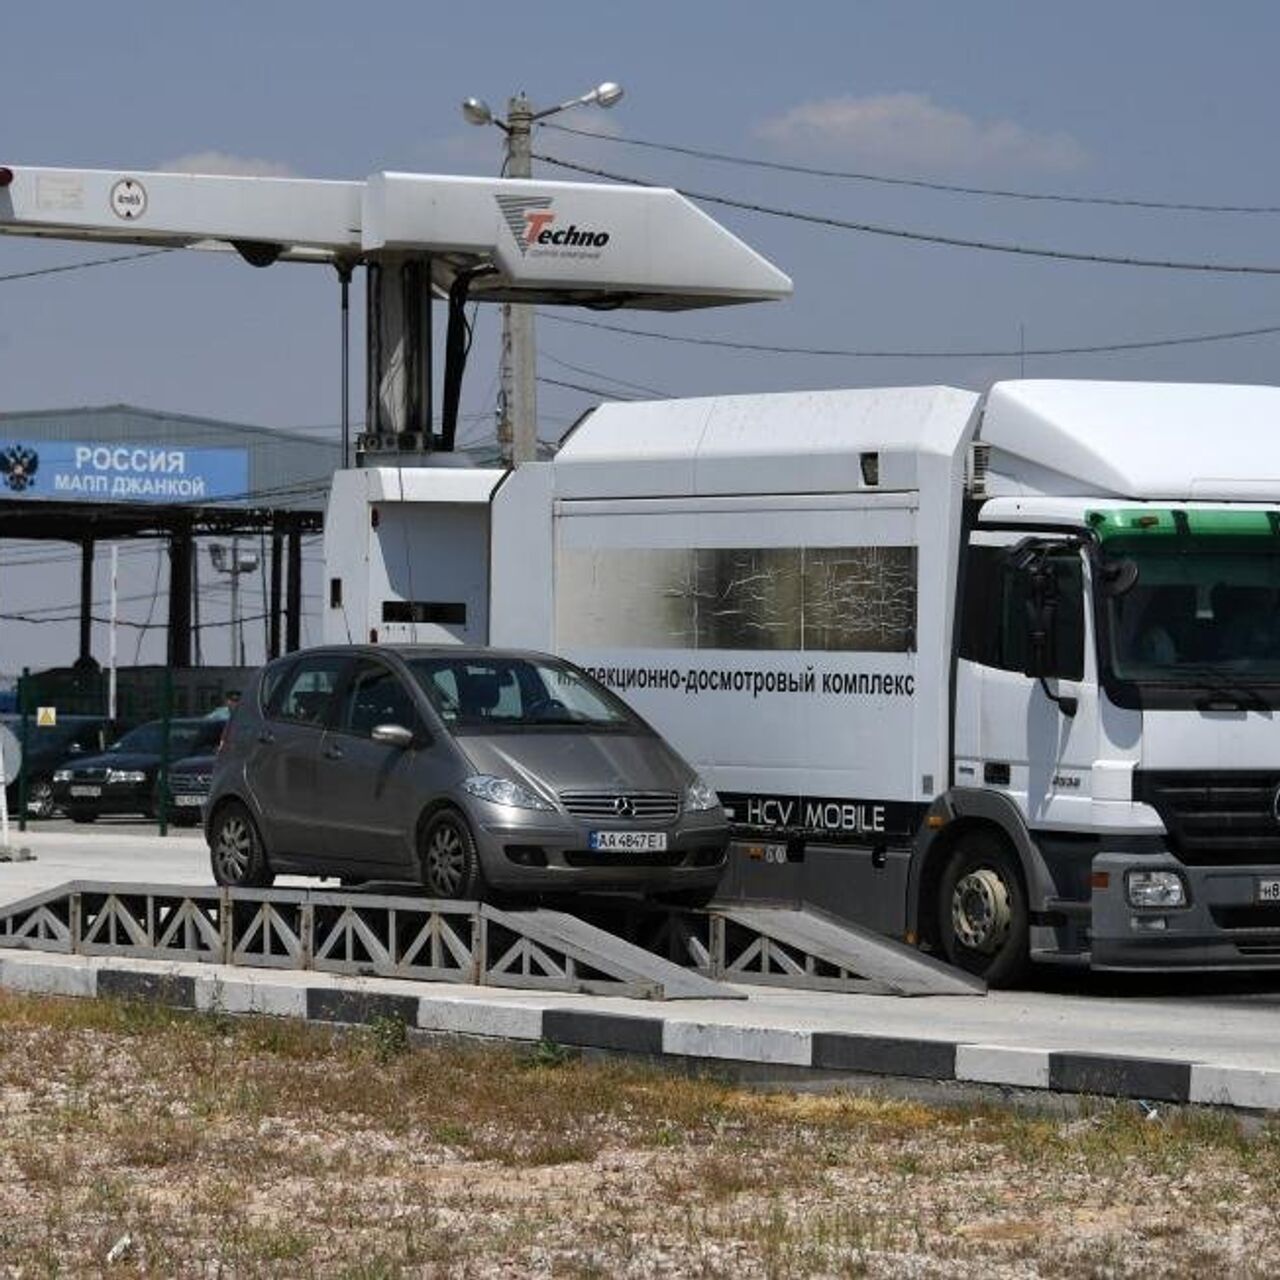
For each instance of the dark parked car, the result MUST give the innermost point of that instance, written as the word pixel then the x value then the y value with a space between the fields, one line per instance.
pixel 124 778
pixel 47 748
pixel 189 781
pixel 466 770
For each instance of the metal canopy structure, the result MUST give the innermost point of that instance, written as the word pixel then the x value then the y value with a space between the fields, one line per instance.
pixel 419 237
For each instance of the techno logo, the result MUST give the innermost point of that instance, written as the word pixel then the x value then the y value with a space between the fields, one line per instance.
pixel 532 222
pixel 19 465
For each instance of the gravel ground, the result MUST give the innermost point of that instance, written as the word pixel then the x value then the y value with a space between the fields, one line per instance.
pixel 135 1140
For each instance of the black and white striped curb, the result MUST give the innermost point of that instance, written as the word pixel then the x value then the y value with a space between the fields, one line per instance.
pixel 331 999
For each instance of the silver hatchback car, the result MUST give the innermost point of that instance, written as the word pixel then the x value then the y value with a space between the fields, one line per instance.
pixel 467 770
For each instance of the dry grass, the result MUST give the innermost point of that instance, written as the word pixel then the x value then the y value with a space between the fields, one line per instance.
pixel 267 1147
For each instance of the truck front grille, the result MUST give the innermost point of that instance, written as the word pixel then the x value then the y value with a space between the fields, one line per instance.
pixel 1215 816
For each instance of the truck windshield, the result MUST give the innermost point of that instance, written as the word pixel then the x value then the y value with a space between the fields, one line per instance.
pixel 1201 613
pixel 480 693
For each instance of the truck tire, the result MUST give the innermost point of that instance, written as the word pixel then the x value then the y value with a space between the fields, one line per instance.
pixel 983 919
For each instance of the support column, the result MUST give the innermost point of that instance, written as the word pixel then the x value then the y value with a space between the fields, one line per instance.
pixel 398 368
pixel 293 620
pixel 86 601
pixel 180 553
pixel 277 551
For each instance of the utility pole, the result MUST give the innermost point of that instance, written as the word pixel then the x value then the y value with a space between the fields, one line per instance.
pixel 518 418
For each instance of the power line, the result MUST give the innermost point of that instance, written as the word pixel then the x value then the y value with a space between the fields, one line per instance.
pixel 602 392
pixel 1142 344
pixel 90 262
pixel 1124 202
pixel 924 237
pixel 608 377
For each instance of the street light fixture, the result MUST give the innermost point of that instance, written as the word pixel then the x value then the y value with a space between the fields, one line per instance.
pixel 518 426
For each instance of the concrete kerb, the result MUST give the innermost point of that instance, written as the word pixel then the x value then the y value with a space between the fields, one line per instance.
pixel 335 999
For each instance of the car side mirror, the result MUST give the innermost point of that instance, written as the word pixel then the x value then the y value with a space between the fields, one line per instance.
pixel 393 735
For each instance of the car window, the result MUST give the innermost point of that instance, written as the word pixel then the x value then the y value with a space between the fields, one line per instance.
pixel 306 695
pixel 376 696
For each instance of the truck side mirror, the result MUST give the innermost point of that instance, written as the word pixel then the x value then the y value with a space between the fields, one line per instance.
pixel 1041 613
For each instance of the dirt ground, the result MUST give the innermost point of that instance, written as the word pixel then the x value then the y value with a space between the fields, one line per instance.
pixel 134 1140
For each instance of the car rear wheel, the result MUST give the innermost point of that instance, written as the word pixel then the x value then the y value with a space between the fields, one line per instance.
pixel 983 919
pixel 450 863
pixel 236 852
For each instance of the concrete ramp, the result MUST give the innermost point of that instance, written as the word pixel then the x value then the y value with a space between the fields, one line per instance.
pixel 802 947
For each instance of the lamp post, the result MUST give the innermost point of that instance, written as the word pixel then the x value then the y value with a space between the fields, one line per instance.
pixel 518 425
pixel 233 561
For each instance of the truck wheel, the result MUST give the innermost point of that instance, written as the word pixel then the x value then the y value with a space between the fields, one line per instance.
pixel 982 911
pixel 236 852
pixel 449 860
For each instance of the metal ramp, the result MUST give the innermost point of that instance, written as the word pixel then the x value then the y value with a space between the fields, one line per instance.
pixel 375 935
pixel 783 946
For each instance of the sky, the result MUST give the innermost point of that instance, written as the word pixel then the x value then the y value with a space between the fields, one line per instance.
pixel 1150 100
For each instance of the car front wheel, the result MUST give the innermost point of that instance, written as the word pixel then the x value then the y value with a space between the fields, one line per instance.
pixel 450 863
pixel 236 852
pixel 40 798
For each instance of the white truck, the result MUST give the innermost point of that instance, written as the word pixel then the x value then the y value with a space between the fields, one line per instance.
pixel 995 673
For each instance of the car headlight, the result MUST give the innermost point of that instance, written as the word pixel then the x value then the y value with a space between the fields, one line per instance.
pixel 1156 889
pixel 700 797
pixel 62 775
pixel 504 791
pixel 126 775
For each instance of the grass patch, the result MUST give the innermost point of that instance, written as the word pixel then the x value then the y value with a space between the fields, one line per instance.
pixel 265 1146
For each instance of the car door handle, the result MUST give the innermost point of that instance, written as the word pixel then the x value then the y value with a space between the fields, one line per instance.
pixel 333 753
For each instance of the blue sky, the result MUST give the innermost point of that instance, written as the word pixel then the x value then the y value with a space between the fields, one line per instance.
pixel 1152 98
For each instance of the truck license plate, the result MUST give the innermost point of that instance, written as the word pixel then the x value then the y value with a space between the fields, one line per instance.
pixel 629 841
pixel 86 791
pixel 1269 890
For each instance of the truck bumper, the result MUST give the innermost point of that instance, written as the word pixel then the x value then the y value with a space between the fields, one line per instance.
pixel 1225 924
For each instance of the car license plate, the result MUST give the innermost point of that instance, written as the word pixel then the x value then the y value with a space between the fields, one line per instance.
pixel 628 841
pixel 86 791
pixel 1269 890
pixel 189 802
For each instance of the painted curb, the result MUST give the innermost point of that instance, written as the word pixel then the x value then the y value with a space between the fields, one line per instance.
pixel 351 1001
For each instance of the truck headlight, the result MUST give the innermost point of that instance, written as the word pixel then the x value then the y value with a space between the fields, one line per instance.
pixel 1155 889
pixel 126 775
pixel 700 797
pixel 503 791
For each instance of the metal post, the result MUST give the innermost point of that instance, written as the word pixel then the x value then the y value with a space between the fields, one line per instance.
pixel 277 548
pixel 344 277
pixel 236 643
pixel 520 387
pixel 86 600
pixel 112 633
pixel 162 781
pixel 179 630
pixel 293 620
pixel 24 706
pixel 198 655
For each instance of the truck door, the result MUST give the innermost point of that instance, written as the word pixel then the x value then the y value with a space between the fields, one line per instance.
pixel 1011 736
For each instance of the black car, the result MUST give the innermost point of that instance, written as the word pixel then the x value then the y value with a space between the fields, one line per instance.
pixel 189 781
pixel 124 779
pixel 47 748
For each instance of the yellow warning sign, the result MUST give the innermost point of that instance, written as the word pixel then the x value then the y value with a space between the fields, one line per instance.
pixel 46 717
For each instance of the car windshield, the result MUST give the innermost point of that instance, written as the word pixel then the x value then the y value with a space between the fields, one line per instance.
pixel 497 692
pixel 148 740
pixel 1198 614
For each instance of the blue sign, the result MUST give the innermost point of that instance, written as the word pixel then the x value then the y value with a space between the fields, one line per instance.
pixel 78 471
